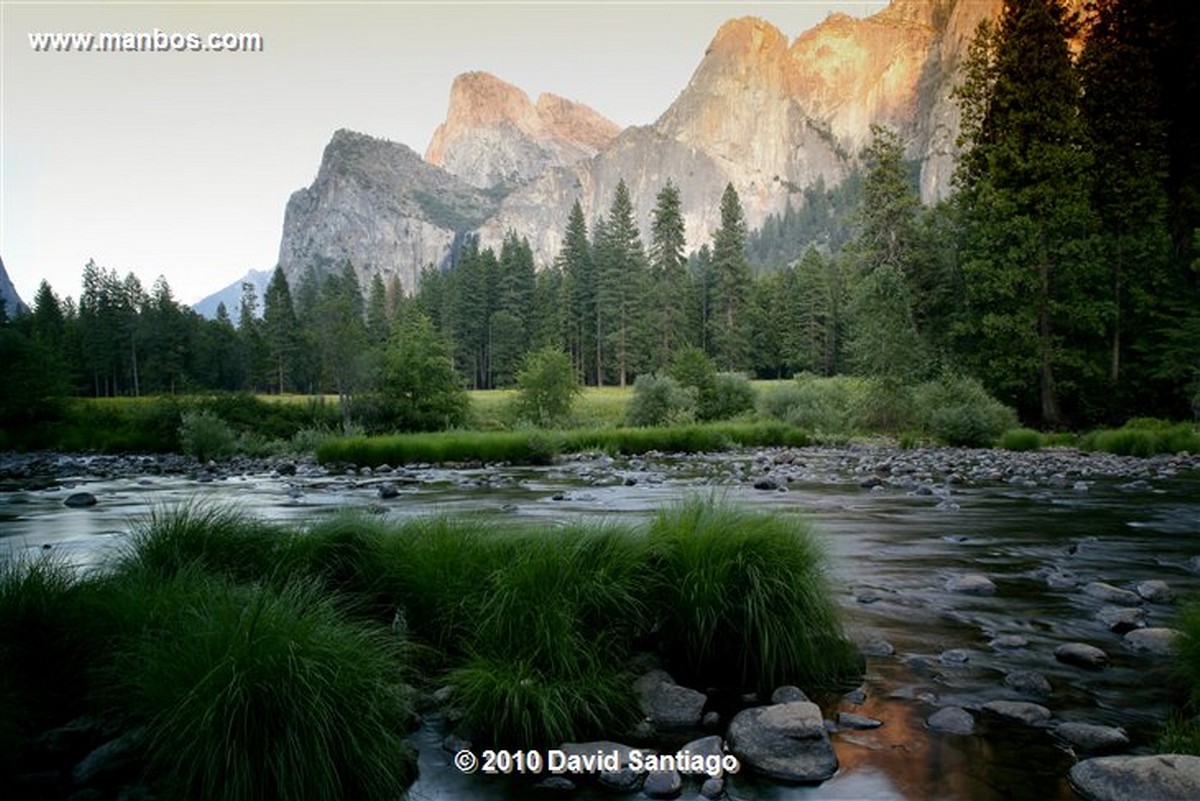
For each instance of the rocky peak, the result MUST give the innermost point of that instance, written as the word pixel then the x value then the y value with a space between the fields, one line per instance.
pixel 494 136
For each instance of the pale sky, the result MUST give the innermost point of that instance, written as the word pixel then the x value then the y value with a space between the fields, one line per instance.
pixel 181 163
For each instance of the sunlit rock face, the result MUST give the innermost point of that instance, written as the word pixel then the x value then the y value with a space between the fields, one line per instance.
pixel 494 137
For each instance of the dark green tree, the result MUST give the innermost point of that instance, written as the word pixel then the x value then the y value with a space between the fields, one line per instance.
pixel 729 323
pixel 546 388
pixel 579 294
pixel 670 287
pixel 280 328
pixel 621 289
pixel 420 389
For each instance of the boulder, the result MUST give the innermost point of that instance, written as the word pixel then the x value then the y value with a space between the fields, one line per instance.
pixel 1021 711
pixel 1122 618
pixel 787 694
pixel 662 784
pixel 666 703
pixel 951 719
pixel 111 762
pixel 80 500
pixel 787 742
pixel 1164 777
pixel 849 720
pixel 971 584
pixel 1110 594
pixel 1028 682
pixel 1155 591
pixel 1081 654
pixel 624 779
pixel 713 787
pixel 1156 642
pixel 1092 737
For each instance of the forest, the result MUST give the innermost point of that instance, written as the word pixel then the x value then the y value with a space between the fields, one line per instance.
pixel 1063 271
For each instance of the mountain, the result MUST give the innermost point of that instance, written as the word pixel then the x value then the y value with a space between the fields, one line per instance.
pixel 772 117
pixel 382 208
pixel 13 304
pixel 494 137
pixel 769 115
pixel 231 295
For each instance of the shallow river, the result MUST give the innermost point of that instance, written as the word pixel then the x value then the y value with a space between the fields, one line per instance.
pixel 892 549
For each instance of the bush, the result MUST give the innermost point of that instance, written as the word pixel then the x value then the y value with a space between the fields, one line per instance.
pixel 546 388
pixel 271 694
pixel 419 387
pixel 824 406
pixel 732 395
pixel 959 411
pixel 205 436
pixel 1020 439
pixel 659 400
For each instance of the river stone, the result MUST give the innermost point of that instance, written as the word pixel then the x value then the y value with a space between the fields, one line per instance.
pixel 666 703
pixel 955 656
pixel 111 762
pixel 849 720
pixel 1081 654
pixel 1156 642
pixel 1164 777
pixel 713 787
pixel 389 490
pixel 624 778
pixel 1006 641
pixel 1122 618
pixel 1061 580
pixel 1091 737
pixel 79 500
pixel 710 746
pixel 1022 711
pixel 971 584
pixel 1110 594
pixel 787 694
pixel 1156 592
pixel 559 783
pixel 787 742
pixel 662 784
pixel 951 719
pixel 1028 682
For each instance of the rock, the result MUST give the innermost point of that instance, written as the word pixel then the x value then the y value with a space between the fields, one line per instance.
pixel 388 491
pixel 711 719
pixel 80 500
pixel 1155 641
pixel 1155 591
pixel 951 719
pixel 662 784
pixel 1008 641
pixel 787 694
pixel 1164 777
pixel 624 778
pixel 667 704
pixel 1122 618
pixel 1081 655
pixel 855 696
pixel 849 720
pixel 766 483
pixel 711 745
pixel 111 762
pixel 1091 737
pixel 1061 580
pixel 787 742
pixel 559 783
pixel 955 656
pixel 1021 711
pixel 971 584
pixel 1110 594
pixel 1028 682
pixel 876 646
pixel 713 787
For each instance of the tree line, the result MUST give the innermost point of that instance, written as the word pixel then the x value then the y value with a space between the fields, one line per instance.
pixel 1062 271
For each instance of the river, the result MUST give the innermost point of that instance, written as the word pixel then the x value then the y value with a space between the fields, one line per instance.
pixel 897 526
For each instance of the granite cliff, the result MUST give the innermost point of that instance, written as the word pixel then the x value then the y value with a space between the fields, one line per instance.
pixel 13 304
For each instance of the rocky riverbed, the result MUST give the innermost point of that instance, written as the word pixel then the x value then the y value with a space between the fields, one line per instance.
pixel 1015 609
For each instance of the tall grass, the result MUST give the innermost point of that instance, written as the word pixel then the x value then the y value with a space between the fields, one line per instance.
pixel 743 599
pixel 1144 437
pixel 1020 439
pixel 268 693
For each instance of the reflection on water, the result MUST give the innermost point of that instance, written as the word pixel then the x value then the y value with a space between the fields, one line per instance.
pixel 891 553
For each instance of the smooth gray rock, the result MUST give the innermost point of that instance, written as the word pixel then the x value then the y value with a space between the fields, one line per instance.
pixel 971 584
pixel 849 720
pixel 1028 682
pixel 111 762
pixel 666 703
pixel 1092 737
pixel 787 694
pixel 1110 594
pixel 951 719
pixel 1155 591
pixel 955 656
pixel 662 784
pixel 1122 618
pixel 560 783
pixel 1061 580
pixel 1081 654
pixel 713 787
pixel 1008 641
pixel 1021 711
pixel 1164 777
pixel 787 742
pixel 1156 641
pixel 711 745
pixel 80 500
pixel 624 778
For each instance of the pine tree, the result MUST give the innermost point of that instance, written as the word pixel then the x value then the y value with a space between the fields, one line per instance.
pixel 621 283
pixel 579 294
pixel 671 289
pixel 280 328
pixel 729 324
pixel 1034 316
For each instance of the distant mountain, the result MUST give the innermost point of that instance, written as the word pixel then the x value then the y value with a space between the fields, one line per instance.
pixel 231 295
pixel 13 304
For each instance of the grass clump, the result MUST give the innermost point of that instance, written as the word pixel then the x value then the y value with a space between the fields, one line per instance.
pixel 1020 439
pixel 1144 437
pixel 271 694
pixel 743 601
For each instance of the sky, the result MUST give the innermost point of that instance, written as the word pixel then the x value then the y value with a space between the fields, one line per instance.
pixel 180 164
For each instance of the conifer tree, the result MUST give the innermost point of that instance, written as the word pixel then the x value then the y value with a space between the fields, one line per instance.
pixel 729 323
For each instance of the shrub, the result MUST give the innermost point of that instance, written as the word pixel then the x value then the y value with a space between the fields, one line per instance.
pixel 271 694
pixel 660 400
pixel 959 411
pixel 546 388
pixel 742 600
pixel 1020 439
pixel 824 406
pixel 419 387
pixel 732 395
pixel 204 435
